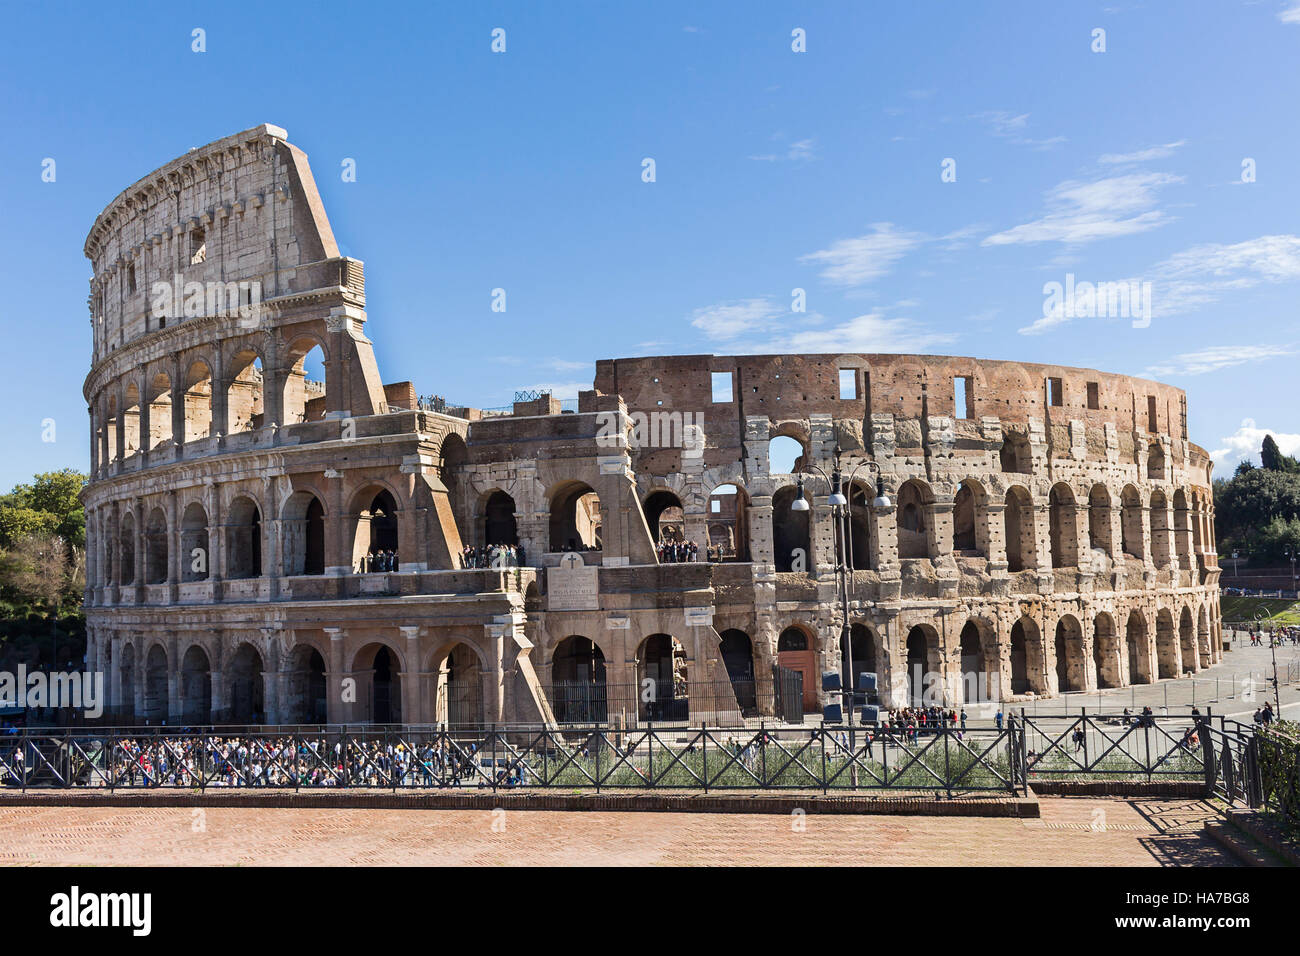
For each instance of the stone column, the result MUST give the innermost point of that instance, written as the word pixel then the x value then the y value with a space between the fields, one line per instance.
pixel 336 710
pixel 412 691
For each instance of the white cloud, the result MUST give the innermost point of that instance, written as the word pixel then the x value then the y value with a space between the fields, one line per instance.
pixel 1245 442
pixel 1012 127
pixel 802 150
pixel 1142 155
pixel 866 333
pixel 1085 212
pixel 854 262
pixel 1290 15
pixel 1217 357
pixel 728 320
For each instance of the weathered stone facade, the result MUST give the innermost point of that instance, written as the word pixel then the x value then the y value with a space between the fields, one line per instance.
pixel 1053 534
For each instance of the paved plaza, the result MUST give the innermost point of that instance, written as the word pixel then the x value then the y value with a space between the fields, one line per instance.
pixel 1070 832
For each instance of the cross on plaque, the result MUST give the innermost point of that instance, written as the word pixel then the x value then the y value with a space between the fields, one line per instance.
pixel 570 561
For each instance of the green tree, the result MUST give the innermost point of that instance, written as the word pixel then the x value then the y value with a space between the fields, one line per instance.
pixel 49 505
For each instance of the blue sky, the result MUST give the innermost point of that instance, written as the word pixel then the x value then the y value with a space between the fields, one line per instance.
pixel 774 170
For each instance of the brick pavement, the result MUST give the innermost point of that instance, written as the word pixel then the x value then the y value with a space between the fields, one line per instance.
pixel 1070 832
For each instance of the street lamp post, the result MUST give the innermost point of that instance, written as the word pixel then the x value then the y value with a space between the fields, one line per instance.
pixel 1260 615
pixel 840 513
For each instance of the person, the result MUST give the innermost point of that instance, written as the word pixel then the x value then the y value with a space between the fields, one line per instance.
pixel 998 718
pixel 1079 737
pixel 963 718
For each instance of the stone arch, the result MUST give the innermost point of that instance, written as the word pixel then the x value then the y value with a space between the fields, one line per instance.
pixel 575 517
pixel 375 521
pixel 379 672
pixel 1160 531
pixel 1131 522
pixel 305 686
pixel 661 659
pixel 1155 462
pixel 1135 638
pixel 158 396
pixel 970 519
pixel 1182 531
pixel 578 682
pixel 1027 671
pixel 1190 659
pixel 862 528
pixel 787 443
pixel 1016 456
pixel 1071 663
pixel 737 652
pixel 924 667
pixel 1063 531
pixel 245 397
pixel 915 519
pixel 195 554
pixel 867 651
pixel 155 684
pixel 499 524
pixel 1099 519
pixel 198 400
pixel 1021 541
pixel 302 528
pixel 155 547
pixel 126 549
pixel 302 397
pixel 245 685
pixel 453 456
pixel 1167 655
pixel 729 516
pixel 1106 652
pixel 664 516
pixel 131 438
pixel 977 645
pixel 460 687
pixel 127 681
pixel 196 685
pixel 791 531
pixel 243 538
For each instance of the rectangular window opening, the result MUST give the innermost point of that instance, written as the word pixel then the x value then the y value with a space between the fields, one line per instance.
pixel 963 396
pixel 848 384
pixel 198 246
pixel 722 387
pixel 1057 390
pixel 1151 414
pixel 1094 396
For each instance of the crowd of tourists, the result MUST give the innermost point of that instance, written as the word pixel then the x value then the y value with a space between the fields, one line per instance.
pixel 493 556
pixel 678 552
pixel 1286 634
pixel 377 561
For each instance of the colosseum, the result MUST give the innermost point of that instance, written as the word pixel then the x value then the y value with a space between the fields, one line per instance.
pixel 269 547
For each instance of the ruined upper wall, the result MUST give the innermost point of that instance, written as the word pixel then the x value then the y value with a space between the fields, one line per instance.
pixel 242 209
pixel 784 387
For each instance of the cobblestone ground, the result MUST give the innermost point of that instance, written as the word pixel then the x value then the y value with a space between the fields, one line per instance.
pixel 1071 832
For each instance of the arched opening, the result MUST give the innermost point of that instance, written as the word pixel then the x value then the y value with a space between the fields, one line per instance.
pixel 303 529
pixel 1070 659
pixel 1159 529
pixel 1026 657
pixel 1131 522
pixel 924 684
pixel 785 455
pixel 155 685
pixel 578 694
pixel 791 544
pixel 663 664
pixel 306 686
pixel 975 669
pixel 664 518
pixel 499 524
pixel 244 408
pixel 126 703
pixel 1187 641
pixel 1135 637
pixel 738 657
pixel 1205 642
pixel 155 548
pixel 1099 519
pixel 1019 522
pixel 379 679
pixel 131 420
pixel 862 642
pixel 246 686
pixel 159 399
pixel 460 688
pixel 243 539
pixel 126 550
pixel 964 528
pixel 304 385
pixel 112 422
pixel 1015 456
pixel 1106 652
pixel 1155 462
pixel 1063 532
pixel 1167 656
pixel 794 651
pixel 196 686
pixel 913 520
pixel 453 457
pixel 728 522
pixel 575 519
pixel 1182 530
pixel 194 543
pixel 198 401
pixel 375 539
pixel 861 527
